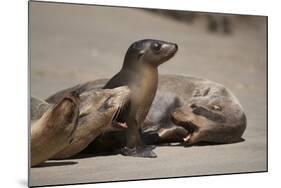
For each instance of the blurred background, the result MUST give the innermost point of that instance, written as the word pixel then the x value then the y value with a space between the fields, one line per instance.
pixel 71 44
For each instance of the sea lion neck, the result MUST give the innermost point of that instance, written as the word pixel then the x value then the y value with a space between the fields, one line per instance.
pixel 131 61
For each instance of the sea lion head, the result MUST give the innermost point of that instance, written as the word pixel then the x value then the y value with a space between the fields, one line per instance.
pixel 101 107
pixel 213 119
pixel 97 111
pixel 151 51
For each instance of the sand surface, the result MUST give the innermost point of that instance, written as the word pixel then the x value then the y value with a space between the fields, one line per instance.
pixel 73 44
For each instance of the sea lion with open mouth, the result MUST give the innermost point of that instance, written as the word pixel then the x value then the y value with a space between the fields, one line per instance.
pixel 99 109
pixel 210 112
pixel 66 125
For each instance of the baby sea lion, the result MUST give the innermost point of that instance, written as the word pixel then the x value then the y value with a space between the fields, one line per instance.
pixel 52 126
pixel 139 72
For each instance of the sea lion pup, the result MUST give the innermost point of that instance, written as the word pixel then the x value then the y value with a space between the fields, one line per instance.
pixel 98 109
pixel 52 126
pixel 139 72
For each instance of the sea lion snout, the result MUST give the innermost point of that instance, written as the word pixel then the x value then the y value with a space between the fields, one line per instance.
pixel 184 118
pixel 171 47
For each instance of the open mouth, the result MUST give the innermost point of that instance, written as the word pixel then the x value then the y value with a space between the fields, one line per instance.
pixel 119 124
pixel 188 125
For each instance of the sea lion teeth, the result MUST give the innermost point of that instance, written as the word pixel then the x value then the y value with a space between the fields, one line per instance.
pixel 119 125
pixel 185 139
pixel 123 125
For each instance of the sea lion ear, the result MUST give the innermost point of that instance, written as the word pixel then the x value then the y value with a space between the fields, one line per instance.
pixel 140 54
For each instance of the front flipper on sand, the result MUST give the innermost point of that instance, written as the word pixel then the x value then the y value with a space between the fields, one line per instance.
pixel 144 151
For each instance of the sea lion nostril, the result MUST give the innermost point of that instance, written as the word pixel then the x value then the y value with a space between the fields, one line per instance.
pixel 176 46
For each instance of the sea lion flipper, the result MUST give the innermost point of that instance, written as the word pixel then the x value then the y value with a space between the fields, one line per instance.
pixel 144 151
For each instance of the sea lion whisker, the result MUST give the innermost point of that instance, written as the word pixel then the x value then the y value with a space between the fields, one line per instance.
pixel 123 103
pixel 114 117
pixel 116 114
pixel 119 110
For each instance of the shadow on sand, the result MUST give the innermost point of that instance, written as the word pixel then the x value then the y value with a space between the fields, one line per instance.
pixel 55 163
pixel 175 144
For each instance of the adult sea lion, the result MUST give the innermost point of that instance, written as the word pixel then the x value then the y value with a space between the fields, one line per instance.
pixel 59 131
pixel 210 112
pixel 98 109
pixel 52 126
pixel 139 72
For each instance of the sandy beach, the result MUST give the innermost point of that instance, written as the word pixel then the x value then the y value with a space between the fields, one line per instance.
pixel 72 44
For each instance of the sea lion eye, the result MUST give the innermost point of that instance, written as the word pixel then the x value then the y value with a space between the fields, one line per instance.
pixel 156 46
